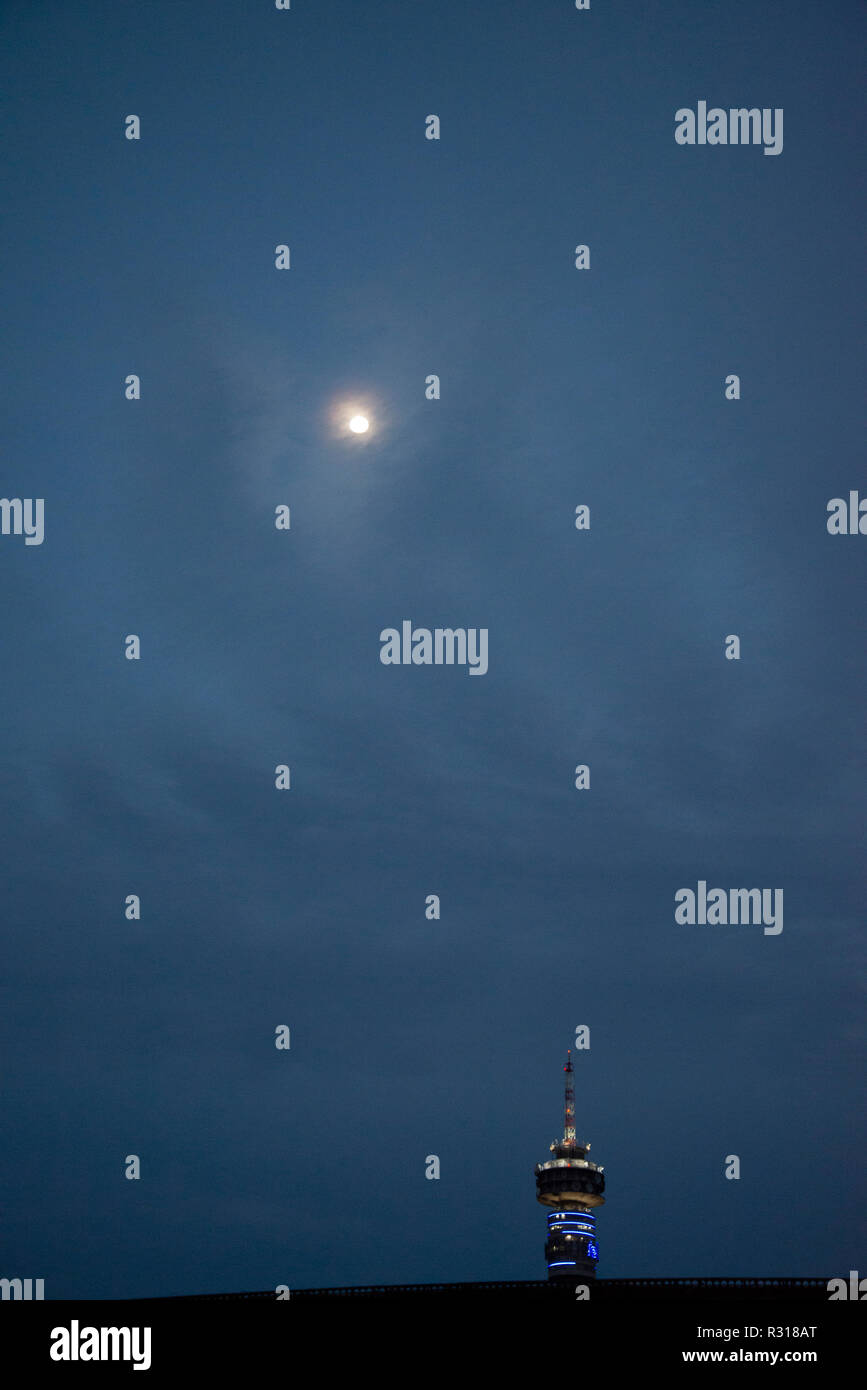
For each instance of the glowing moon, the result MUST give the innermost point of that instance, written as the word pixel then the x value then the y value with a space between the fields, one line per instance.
pixel 357 416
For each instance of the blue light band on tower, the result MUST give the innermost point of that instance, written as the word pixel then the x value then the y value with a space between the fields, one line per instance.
pixel 571 1242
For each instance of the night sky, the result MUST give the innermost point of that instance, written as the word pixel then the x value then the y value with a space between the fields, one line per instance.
pixel 261 647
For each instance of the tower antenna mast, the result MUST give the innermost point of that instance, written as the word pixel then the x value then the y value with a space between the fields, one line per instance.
pixel 569 1126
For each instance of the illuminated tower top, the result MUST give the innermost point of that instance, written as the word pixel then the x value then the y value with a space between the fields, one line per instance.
pixel 573 1186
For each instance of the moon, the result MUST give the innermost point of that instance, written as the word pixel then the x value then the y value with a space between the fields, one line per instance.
pixel 357 416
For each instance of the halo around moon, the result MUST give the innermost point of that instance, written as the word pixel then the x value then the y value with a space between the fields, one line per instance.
pixel 358 417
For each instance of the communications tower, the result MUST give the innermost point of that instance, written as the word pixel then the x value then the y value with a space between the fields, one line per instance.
pixel 572 1187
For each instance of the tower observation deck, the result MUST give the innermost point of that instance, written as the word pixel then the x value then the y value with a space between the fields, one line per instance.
pixel 571 1186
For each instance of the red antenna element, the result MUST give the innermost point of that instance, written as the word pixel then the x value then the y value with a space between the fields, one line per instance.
pixel 569 1126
